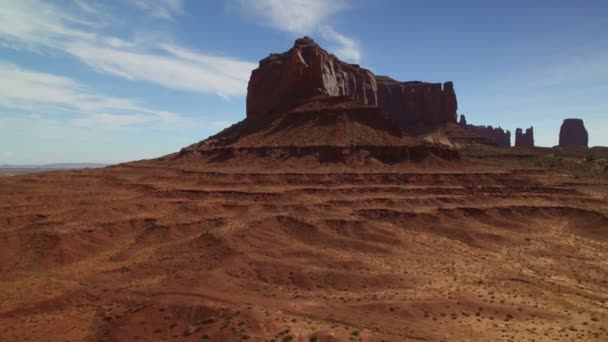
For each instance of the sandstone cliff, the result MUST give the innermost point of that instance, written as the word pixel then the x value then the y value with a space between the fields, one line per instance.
pixel 283 80
pixel 573 133
pixel 524 138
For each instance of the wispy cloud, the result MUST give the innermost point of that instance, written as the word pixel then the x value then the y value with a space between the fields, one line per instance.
pixel 41 26
pixel 171 67
pixel 162 9
pixel 38 92
pixel 296 16
pixel 347 48
pixel 33 24
pixel 305 17
pixel 572 69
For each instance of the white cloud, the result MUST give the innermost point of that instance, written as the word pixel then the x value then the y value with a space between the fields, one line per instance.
pixel 34 24
pixel 305 17
pixel 37 92
pixel 177 68
pixel 162 9
pixel 40 26
pixel 295 16
pixel 347 48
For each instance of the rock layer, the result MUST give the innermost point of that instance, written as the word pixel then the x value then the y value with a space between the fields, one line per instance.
pixel 573 133
pixel 497 136
pixel 283 80
pixel 524 138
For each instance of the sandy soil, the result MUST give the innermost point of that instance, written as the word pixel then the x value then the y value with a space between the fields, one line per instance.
pixel 155 251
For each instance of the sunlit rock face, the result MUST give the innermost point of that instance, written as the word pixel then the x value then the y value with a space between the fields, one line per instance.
pixel 284 80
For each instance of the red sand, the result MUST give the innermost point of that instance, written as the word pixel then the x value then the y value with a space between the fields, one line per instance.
pixel 256 249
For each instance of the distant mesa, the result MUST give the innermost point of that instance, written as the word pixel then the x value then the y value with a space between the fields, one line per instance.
pixel 524 139
pixel 495 136
pixel 573 133
pixel 283 80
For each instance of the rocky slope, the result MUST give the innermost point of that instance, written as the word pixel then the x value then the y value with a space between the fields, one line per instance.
pixel 323 128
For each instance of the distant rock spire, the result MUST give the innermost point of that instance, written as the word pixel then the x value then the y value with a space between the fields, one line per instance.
pixel 524 138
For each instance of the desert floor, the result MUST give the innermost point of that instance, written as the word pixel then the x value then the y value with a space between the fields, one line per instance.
pixel 150 251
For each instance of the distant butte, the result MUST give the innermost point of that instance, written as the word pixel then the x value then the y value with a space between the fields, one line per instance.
pixel 573 133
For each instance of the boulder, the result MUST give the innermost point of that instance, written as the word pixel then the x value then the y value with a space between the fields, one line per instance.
pixel 573 133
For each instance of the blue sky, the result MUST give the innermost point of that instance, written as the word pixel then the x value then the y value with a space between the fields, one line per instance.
pixel 112 81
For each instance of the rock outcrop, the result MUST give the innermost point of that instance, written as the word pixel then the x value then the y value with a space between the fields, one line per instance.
pixel 282 81
pixel 524 139
pixel 573 133
pixel 496 136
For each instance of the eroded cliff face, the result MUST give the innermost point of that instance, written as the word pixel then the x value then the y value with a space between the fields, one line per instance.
pixel 525 139
pixel 496 135
pixel 573 133
pixel 284 80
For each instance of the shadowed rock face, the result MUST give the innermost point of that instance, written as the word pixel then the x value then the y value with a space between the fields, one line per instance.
pixel 498 136
pixel 573 133
pixel 524 139
pixel 283 80
pixel 417 103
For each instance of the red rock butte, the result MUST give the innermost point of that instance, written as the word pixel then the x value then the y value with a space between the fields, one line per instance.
pixel 283 80
pixel 573 133
pixel 307 104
